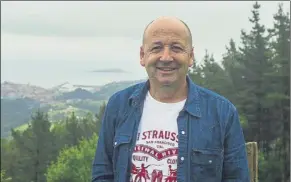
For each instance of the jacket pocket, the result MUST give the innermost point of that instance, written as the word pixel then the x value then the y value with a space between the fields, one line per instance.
pixel 121 146
pixel 206 165
pixel 121 139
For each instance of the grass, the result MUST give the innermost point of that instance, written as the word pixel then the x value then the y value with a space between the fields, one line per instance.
pixel 21 127
pixel 62 110
pixel 55 115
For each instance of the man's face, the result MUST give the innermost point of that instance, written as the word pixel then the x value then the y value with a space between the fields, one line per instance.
pixel 166 54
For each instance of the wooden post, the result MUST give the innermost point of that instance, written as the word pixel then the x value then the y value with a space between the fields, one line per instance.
pixel 252 152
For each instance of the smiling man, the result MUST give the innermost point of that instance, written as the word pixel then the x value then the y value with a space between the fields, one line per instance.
pixel 168 128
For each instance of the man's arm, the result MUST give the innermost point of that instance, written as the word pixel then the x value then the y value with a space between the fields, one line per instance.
pixel 102 170
pixel 235 165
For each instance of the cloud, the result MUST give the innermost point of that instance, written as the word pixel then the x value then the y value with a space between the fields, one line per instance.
pixel 58 40
pixel 77 19
pixel 105 19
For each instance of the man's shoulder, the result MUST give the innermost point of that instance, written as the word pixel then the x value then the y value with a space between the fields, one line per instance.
pixel 123 95
pixel 217 98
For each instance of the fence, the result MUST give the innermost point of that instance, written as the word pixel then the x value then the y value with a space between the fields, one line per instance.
pixel 252 151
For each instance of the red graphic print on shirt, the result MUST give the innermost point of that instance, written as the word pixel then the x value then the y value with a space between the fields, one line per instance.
pixel 153 157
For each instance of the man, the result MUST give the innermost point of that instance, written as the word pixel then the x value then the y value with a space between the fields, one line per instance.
pixel 168 120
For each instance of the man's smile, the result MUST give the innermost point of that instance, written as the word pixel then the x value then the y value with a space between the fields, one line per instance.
pixel 166 69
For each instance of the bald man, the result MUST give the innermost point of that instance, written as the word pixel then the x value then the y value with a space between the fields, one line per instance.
pixel 169 121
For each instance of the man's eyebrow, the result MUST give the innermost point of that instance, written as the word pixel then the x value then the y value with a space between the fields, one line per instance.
pixel 157 42
pixel 160 43
pixel 176 42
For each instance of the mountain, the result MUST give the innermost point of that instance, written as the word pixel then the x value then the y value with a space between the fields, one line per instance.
pixel 67 87
pixel 15 90
pixel 15 112
pixel 12 90
pixel 79 93
pixel 19 101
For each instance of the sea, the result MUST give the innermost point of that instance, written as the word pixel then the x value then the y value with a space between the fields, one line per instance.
pixel 48 76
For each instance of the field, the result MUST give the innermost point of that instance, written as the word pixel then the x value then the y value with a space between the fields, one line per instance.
pixel 61 110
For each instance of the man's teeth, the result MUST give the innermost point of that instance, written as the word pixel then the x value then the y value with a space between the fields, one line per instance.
pixel 166 69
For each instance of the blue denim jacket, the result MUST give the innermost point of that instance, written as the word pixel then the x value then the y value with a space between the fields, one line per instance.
pixel 211 147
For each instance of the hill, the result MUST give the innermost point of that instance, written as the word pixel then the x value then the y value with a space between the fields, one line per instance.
pixel 15 112
pixel 19 101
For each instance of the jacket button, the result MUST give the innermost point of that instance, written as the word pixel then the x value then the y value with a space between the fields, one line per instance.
pixel 182 158
pixel 183 132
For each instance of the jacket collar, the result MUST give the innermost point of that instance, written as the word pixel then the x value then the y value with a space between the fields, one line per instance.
pixel 192 105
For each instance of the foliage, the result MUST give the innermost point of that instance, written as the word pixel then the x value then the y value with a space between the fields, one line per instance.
pixel 255 76
pixel 4 178
pixel 74 163
pixel 15 112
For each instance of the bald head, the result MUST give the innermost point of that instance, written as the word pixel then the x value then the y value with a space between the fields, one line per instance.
pixel 168 21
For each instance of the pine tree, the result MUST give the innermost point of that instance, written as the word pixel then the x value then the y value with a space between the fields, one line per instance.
pixel 73 133
pixel 280 77
pixel 255 62
pixel 99 117
pixel 195 73
pixel 36 149
pixel 232 69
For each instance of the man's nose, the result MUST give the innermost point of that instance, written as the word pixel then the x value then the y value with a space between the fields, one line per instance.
pixel 166 55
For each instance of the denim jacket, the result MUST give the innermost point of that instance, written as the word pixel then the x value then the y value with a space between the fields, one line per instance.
pixel 211 145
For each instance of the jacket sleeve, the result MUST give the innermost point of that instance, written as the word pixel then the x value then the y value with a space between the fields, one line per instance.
pixel 235 165
pixel 102 169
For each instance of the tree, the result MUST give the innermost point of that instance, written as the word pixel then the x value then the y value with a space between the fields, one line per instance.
pixel 280 77
pixel 231 67
pixel 210 75
pixel 99 117
pixel 4 178
pixel 254 60
pixel 195 73
pixel 74 163
pixel 35 147
pixel 9 156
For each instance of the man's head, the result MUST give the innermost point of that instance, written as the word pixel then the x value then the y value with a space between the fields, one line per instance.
pixel 167 51
pixel 188 29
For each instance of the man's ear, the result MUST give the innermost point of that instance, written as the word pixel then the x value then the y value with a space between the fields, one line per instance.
pixel 141 55
pixel 191 60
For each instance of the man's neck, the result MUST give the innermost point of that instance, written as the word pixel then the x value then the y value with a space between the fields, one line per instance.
pixel 169 94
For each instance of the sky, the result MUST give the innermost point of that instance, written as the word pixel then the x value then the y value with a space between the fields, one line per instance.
pixel 51 42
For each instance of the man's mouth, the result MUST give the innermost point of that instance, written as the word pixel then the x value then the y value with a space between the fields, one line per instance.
pixel 166 69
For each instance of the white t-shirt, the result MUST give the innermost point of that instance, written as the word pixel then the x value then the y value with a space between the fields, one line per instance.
pixel 156 150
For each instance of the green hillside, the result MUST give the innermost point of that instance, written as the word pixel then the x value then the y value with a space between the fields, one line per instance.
pixel 16 112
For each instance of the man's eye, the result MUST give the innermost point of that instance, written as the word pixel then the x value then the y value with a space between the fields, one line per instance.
pixel 156 48
pixel 177 48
